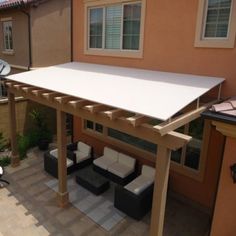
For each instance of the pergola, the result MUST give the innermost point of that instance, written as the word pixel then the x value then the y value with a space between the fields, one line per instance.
pixel 109 95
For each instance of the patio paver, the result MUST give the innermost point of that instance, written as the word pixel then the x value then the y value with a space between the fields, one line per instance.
pixel 30 208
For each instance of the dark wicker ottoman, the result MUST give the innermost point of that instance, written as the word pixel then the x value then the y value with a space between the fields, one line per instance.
pixel 92 181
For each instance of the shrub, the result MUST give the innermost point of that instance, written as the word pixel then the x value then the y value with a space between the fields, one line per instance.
pixel 41 131
pixel 5 161
pixel 34 137
pixel 23 142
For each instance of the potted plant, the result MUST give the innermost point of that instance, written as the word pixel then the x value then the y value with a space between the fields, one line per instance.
pixel 43 133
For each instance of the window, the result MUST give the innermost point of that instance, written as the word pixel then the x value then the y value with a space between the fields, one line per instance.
pixel 90 125
pixel 216 25
pixel 188 160
pixel 189 156
pixel 115 29
pixel 217 18
pixel 7 36
pixel 129 139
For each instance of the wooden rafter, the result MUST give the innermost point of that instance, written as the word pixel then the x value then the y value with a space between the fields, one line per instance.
pixel 181 120
pixel 18 86
pixel 137 120
pixel 96 108
pixel 172 140
pixel 11 84
pixel 50 95
pixel 28 89
pixel 64 99
pixel 39 92
pixel 116 113
pixel 78 103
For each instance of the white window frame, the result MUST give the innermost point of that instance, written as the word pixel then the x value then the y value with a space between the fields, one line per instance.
pixel 215 42
pixel 3 22
pixel 180 168
pixel 90 4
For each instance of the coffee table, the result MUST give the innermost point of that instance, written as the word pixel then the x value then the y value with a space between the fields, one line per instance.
pixel 92 180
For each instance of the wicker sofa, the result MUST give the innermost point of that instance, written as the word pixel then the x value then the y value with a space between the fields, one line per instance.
pixel 135 199
pixel 118 167
pixel 79 155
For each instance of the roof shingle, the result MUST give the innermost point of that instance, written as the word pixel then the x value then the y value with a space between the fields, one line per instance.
pixel 14 3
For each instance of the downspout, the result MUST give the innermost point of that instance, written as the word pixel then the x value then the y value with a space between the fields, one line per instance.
pixel 29 37
pixel 71 29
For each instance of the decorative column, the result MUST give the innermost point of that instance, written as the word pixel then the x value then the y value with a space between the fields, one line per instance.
pixel 160 191
pixel 15 159
pixel 62 194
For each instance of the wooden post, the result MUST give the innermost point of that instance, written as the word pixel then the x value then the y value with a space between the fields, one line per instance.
pixel 62 194
pixel 15 159
pixel 160 191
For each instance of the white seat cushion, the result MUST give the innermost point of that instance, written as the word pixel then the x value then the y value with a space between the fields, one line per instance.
pixel 139 184
pixel 69 162
pixel 110 153
pixel 54 153
pixel 104 162
pixel 81 156
pixel 148 171
pixel 126 160
pixel 82 147
pixel 120 170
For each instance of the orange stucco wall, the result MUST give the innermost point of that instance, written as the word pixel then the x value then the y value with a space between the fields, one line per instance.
pixel 168 43
pixel 224 222
pixel 169 35
pixel 203 192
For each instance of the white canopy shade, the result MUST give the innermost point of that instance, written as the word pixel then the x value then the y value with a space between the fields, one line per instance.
pixel 152 93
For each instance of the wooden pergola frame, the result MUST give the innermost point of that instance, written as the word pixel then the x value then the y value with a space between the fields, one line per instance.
pixel 136 125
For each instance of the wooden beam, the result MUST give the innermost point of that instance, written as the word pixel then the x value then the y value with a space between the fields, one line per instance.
pixel 28 89
pixel 39 92
pixel 116 113
pixel 96 108
pixel 18 86
pixel 10 84
pixel 160 191
pixel 50 95
pixel 172 140
pixel 15 159
pixel 79 103
pixel 62 195
pixel 64 99
pixel 181 120
pixel 137 120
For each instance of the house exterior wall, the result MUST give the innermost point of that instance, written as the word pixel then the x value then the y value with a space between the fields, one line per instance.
pixel 168 46
pixel 51 33
pixel 203 191
pixel 20 55
pixel 169 35
pixel 225 209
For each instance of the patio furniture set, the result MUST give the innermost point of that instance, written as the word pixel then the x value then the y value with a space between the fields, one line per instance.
pixel 133 194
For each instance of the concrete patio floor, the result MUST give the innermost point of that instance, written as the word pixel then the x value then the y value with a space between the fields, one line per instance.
pixel 28 207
